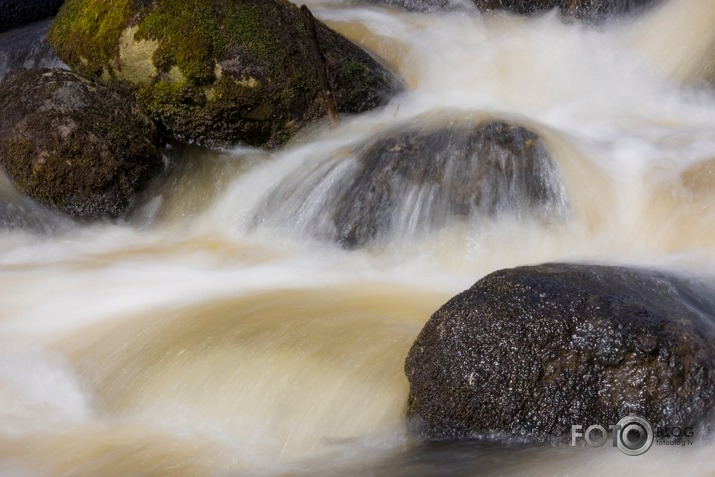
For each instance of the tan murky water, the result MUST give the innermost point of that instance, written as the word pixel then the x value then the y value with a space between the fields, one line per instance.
pixel 210 336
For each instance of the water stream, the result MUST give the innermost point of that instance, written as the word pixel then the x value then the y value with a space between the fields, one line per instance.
pixel 214 332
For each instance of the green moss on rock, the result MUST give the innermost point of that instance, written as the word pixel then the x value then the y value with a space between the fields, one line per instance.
pixel 87 33
pixel 245 65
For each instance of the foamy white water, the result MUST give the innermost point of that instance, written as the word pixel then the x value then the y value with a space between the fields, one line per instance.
pixel 216 334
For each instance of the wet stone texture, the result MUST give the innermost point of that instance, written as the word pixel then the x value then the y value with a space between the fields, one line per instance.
pixel 74 145
pixel 588 10
pixel 584 9
pixel 534 350
pixel 432 174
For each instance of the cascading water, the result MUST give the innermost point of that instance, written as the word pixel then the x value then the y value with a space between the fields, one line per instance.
pixel 27 47
pixel 223 329
pixel 418 178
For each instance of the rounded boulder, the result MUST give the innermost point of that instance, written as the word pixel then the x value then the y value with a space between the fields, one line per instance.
pixel 74 145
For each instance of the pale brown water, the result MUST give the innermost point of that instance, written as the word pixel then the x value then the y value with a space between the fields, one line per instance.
pixel 211 335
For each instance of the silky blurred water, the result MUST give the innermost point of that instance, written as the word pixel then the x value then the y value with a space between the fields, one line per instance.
pixel 213 332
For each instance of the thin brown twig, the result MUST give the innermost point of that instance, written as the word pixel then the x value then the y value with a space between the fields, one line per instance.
pixel 320 66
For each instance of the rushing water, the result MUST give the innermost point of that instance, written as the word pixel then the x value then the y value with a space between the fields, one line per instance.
pixel 212 333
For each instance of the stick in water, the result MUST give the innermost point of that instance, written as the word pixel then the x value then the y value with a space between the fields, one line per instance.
pixel 320 66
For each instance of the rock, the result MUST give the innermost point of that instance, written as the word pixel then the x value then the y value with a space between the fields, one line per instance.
pixel 424 6
pixel 27 47
pixel 534 350
pixel 74 145
pixel 583 9
pixel 465 168
pixel 218 73
pixel 16 13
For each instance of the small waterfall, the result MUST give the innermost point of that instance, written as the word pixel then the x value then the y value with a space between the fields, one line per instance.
pixel 18 211
pixel 27 47
pixel 418 177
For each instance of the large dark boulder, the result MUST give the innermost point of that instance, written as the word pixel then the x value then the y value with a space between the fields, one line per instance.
pixel 461 169
pixel 74 145
pixel 15 13
pixel 534 350
pixel 214 72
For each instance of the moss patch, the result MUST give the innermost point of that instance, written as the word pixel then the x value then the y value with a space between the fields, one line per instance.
pixel 136 58
pixel 216 72
pixel 86 33
pixel 215 26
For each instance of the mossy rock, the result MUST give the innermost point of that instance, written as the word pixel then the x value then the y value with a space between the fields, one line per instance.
pixel 217 73
pixel 74 145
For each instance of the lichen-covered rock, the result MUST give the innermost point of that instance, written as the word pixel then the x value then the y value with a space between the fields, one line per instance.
pixel 215 72
pixel 461 169
pixel 534 350
pixel 74 145
pixel 15 13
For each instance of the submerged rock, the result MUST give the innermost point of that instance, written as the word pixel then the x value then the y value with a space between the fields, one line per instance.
pixel 534 350
pixel 432 174
pixel 74 145
pixel 218 73
pixel 16 13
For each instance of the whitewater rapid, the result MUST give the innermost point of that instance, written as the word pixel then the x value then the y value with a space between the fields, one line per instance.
pixel 211 334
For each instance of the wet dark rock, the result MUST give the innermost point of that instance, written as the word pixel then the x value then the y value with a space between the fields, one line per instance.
pixel 74 145
pixel 584 9
pixel 589 10
pixel 16 13
pixel 218 73
pixel 27 47
pixel 463 169
pixel 424 6
pixel 534 350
